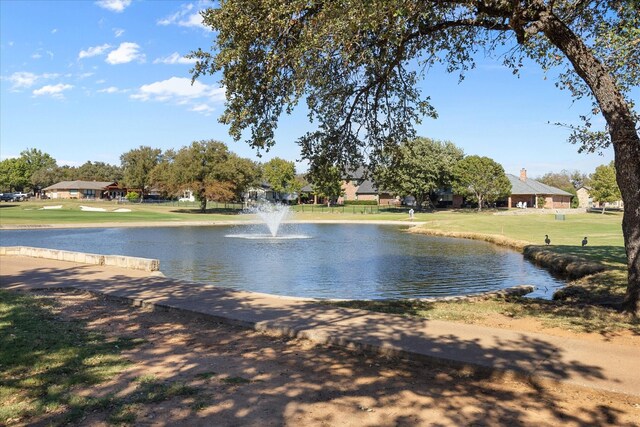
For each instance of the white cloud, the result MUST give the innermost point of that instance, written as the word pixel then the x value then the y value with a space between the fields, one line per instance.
pixel 180 91
pixel 114 5
pixel 25 79
pixel 94 51
pixel 125 53
pixel 38 54
pixel 118 32
pixel 202 108
pixel 187 16
pixel 54 91
pixel 110 89
pixel 174 58
pixel 55 30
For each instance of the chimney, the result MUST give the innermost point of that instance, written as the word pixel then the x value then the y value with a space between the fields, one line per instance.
pixel 523 174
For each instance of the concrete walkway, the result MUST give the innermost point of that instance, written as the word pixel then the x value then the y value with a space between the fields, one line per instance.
pixel 540 357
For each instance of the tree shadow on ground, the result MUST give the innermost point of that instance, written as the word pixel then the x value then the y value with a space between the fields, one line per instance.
pixel 247 378
pixel 606 254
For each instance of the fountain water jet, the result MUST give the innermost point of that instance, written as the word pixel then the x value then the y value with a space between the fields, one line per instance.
pixel 272 215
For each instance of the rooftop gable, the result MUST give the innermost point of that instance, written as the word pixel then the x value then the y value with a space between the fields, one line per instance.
pixel 531 186
pixel 80 185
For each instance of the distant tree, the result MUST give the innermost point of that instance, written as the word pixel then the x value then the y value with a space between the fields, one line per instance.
pixel 298 184
pixel 200 167
pixel 280 174
pixel 603 184
pixel 243 173
pixel 326 182
pixel 23 173
pixel 163 176
pixel 418 168
pixel 36 160
pixel 13 174
pixel 481 180
pixel 579 179
pixel 137 165
pixel 99 171
pixel 47 176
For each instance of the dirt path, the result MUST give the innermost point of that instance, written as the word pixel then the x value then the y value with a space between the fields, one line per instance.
pixel 245 378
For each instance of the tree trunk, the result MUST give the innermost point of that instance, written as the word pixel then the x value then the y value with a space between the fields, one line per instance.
pixel 624 137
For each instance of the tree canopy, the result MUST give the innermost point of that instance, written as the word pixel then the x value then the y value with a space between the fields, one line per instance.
pixel 603 184
pixel 137 165
pixel 280 174
pixel 419 167
pixel 356 64
pixel 481 180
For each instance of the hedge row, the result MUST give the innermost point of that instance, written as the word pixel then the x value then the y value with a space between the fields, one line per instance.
pixel 360 203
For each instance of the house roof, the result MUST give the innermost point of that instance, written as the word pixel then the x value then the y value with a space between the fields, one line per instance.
pixel 367 187
pixel 531 186
pixel 80 185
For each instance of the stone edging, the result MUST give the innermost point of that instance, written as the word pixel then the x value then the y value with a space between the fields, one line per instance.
pixel 567 266
pixel 133 263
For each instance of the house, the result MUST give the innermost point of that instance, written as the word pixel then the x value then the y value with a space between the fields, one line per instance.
pixel 84 190
pixel 585 200
pixel 529 191
pixel 584 197
pixel 264 192
pixel 357 187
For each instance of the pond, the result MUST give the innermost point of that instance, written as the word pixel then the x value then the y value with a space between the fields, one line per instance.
pixel 346 261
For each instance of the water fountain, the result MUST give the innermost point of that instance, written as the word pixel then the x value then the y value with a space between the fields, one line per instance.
pixel 272 215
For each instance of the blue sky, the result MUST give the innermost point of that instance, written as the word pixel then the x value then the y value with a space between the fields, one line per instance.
pixel 90 80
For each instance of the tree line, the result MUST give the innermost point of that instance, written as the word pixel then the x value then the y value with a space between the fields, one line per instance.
pixel 207 168
pixel 420 167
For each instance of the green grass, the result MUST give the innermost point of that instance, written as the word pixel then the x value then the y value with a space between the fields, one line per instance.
pixel 602 230
pixel 30 213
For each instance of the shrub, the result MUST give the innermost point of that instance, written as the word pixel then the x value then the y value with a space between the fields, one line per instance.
pixel 360 203
pixel 132 196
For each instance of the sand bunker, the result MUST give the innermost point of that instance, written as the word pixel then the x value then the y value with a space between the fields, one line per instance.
pixel 91 209
pixel 52 207
pixel 122 210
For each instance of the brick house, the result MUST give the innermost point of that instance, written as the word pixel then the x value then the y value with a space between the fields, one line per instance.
pixel 527 190
pixel 84 190
pixel 359 188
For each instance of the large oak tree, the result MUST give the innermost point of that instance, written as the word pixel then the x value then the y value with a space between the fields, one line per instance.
pixel 357 64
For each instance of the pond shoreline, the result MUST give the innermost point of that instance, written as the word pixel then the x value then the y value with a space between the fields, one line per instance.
pixel 567 266
pixel 155 224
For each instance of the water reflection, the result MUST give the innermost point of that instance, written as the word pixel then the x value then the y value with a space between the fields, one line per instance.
pixel 337 261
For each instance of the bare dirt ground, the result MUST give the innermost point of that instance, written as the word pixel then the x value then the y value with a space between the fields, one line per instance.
pixel 246 378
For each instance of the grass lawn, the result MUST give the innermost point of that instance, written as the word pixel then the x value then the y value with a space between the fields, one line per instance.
pixel 31 213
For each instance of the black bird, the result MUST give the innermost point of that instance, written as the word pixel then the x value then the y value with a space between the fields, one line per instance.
pixel 547 240
pixel 584 241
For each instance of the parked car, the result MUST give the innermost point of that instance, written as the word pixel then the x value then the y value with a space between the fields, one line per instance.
pixel 20 197
pixel 6 197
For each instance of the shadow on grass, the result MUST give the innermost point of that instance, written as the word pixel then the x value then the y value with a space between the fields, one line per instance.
pixel 605 254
